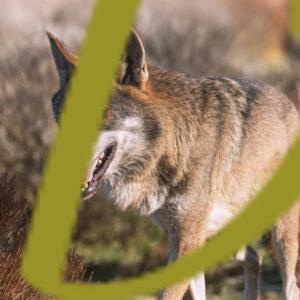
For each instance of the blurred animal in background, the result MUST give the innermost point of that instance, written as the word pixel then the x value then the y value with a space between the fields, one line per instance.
pixel 26 128
pixel 190 153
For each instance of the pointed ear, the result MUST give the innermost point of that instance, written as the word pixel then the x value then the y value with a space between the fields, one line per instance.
pixel 134 70
pixel 65 60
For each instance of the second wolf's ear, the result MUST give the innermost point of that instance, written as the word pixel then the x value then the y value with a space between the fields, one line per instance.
pixel 134 70
pixel 65 60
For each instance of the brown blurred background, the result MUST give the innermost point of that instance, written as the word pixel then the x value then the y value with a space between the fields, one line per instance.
pixel 199 37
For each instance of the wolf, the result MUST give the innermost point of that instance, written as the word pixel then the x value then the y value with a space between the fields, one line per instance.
pixel 189 153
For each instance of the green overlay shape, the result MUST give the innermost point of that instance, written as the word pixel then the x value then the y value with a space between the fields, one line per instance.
pixel 59 196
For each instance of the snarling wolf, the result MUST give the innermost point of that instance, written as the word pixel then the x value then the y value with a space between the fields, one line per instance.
pixel 190 153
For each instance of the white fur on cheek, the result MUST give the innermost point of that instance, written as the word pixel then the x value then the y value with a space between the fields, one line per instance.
pixel 132 123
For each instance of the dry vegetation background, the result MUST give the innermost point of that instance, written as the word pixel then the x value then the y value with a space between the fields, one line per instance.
pixel 232 37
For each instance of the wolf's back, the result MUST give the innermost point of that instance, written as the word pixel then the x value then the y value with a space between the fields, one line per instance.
pixel 231 37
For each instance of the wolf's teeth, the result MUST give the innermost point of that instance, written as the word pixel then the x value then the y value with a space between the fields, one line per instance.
pixel 102 155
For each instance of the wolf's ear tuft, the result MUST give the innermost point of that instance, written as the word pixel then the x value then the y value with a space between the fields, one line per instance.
pixel 64 59
pixel 134 69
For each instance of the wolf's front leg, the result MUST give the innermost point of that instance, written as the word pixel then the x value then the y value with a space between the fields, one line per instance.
pixel 198 288
pixel 194 289
pixel 175 292
pixel 182 242
pixel 285 243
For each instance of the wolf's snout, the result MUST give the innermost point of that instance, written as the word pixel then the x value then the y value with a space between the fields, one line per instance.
pixel 98 170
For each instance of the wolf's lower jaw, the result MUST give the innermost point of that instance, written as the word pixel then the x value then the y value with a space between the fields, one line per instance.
pixel 132 195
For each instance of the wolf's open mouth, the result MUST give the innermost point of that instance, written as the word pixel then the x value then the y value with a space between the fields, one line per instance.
pixel 102 163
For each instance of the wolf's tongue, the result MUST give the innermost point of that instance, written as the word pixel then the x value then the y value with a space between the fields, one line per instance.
pixel 91 170
pixel 98 169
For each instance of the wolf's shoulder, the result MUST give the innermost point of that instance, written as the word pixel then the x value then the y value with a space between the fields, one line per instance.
pixel 181 82
pixel 223 89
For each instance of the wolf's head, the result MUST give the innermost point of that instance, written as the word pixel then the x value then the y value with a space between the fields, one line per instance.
pixel 129 146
